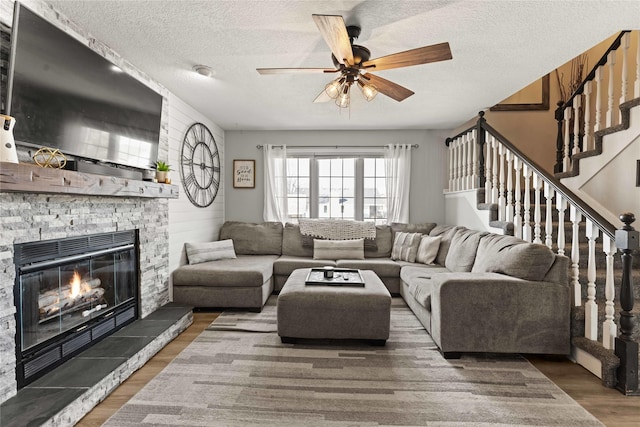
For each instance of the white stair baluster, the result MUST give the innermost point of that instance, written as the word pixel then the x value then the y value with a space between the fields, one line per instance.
pixel 611 62
pixel 456 161
pixel 576 217
pixel 451 164
pixel 501 199
pixel 561 205
pixel 590 307
pixel 517 217
pixel 494 183
pixel 474 182
pixel 588 137
pixel 597 124
pixel 465 161
pixel 526 225
pixel 636 84
pixel 548 226
pixel 469 172
pixel 566 161
pixel 487 172
pixel 577 103
pixel 624 46
pixel 609 328
pixel 537 214
pixel 509 170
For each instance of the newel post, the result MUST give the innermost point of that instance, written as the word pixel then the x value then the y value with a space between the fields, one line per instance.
pixel 559 115
pixel 482 139
pixel 627 240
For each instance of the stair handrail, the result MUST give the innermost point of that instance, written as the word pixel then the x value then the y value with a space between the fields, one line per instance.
pixel 579 137
pixel 592 74
pixel 570 196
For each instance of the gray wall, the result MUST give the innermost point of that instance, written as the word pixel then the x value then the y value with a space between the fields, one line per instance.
pixel 428 168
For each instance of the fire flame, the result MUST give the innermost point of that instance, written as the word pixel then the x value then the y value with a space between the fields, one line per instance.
pixel 75 285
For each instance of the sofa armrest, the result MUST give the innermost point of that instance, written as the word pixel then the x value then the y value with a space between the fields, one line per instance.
pixel 479 312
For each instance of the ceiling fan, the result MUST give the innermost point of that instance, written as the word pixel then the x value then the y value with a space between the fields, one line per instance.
pixel 354 65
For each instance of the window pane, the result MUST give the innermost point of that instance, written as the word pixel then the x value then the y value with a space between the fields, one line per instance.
pixel 292 167
pixel 303 166
pixel 369 167
pixel 348 167
pixel 336 186
pixel 303 187
pixel 380 168
pixel 324 167
pixel 324 186
pixel 381 187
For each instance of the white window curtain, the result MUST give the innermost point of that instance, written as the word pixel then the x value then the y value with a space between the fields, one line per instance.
pixel 275 183
pixel 398 171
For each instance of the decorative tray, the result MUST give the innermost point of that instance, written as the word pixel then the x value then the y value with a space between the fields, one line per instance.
pixel 341 277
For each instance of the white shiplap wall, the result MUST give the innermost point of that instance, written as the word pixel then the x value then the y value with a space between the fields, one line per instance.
pixel 188 223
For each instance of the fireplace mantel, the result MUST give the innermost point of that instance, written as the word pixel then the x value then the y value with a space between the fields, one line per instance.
pixel 28 178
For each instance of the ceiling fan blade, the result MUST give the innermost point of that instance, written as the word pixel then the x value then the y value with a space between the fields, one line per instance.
pixel 322 97
pixel 295 70
pixel 334 32
pixel 389 88
pixel 421 55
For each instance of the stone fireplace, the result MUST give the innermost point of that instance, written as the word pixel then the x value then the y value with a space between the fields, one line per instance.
pixel 33 217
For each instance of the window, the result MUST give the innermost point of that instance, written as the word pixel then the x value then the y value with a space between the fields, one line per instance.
pixel 337 188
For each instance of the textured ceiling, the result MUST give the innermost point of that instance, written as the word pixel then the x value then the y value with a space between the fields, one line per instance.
pixel 498 47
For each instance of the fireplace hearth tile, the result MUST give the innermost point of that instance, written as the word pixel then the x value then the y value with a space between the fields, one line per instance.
pixel 113 346
pixel 79 372
pixel 144 328
pixel 88 378
pixel 36 406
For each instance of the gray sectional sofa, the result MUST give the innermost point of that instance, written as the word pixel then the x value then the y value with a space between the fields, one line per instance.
pixel 483 293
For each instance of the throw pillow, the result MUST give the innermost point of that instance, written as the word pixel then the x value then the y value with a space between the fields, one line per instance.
pixel 338 249
pixel 405 246
pixel 428 249
pixel 210 251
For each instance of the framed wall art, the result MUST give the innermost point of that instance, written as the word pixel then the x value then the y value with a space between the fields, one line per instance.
pixel 533 97
pixel 244 174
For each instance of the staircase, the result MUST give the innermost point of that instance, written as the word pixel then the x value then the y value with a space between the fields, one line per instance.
pixel 513 195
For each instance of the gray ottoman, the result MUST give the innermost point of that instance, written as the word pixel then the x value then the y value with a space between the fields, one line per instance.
pixel 334 312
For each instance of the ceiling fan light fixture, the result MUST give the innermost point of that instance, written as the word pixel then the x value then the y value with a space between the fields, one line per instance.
pixel 369 91
pixel 333 89
pixel 343 99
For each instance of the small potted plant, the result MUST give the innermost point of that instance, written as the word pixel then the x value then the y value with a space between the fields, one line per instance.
pixel 162 171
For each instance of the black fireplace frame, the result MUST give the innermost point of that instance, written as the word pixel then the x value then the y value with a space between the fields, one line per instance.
pixel 40 359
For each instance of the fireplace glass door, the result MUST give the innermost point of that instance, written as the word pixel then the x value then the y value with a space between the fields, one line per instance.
pixel 58 298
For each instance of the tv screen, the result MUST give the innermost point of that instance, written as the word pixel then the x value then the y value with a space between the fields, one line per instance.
pixel 64 95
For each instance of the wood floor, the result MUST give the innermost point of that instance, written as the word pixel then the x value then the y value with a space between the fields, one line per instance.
pixel 608 405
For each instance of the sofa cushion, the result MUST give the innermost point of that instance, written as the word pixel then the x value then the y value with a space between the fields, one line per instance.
pixel 338 249
pixel 209 251
pixel 254 239
pixel 418 280
pixel 428 249
pixel 243 271
pixel 513 257
pixel 383 267
pixel 285 265
pixel 405 246
pixel 462 252
pixel 447 232
pixel 383 243
pixel 292 242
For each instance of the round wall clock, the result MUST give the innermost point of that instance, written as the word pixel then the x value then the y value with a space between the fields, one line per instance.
pixel 200 165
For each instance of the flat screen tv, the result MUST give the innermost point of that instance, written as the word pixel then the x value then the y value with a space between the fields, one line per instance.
pixel 64 95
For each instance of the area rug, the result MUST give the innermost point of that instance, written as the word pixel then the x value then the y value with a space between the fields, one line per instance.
pixel 238 373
